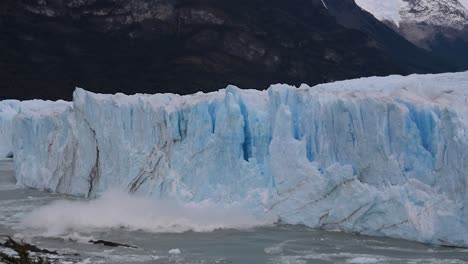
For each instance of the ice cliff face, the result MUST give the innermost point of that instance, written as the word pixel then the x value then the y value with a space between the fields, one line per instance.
pixel 9 109
pixel 376 156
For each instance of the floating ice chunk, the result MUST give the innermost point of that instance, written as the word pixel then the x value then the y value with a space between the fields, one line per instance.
pixel 175 251
pixel 363 260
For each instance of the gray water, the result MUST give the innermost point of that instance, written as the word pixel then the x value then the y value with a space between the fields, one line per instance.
pixel 270 244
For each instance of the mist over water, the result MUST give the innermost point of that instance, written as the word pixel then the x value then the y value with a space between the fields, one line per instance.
pixel 117 209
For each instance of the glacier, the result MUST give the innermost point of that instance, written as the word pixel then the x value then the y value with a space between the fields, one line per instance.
pixel 9 109
pixel 381 156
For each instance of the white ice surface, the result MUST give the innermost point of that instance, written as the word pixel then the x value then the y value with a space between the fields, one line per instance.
pixel 376 156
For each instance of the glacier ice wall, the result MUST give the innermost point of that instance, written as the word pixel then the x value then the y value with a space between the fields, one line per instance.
pixel 376 156
pixel 9 109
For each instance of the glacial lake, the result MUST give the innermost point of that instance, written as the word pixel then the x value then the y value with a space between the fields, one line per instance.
pixel 267 244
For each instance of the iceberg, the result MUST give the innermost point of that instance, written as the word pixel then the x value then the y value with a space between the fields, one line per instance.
pixel 381 156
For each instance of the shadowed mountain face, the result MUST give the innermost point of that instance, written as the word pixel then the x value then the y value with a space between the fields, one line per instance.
pixel 49 47
pixel 402 51
pixel 438 26
pixel 452 46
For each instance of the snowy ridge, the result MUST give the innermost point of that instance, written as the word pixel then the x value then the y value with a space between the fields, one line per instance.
pixel 376 156
pixel 444 13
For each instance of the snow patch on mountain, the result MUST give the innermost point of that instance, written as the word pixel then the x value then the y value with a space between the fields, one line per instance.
pixel 325 5
pixel 464 3
pixel 388 10
pixel 444 13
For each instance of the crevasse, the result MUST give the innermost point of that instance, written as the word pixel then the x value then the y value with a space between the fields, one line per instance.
pixel 376 156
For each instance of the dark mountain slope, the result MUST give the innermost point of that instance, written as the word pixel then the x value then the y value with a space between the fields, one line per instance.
pixel 452 47
pixel 401 50
pixel 438 26
pixel 47 48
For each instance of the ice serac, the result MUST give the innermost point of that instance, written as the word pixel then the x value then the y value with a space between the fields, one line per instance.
pixel 375 156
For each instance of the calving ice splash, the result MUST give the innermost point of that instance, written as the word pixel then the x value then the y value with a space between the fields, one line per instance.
pixel 117 209
pixel 376 156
